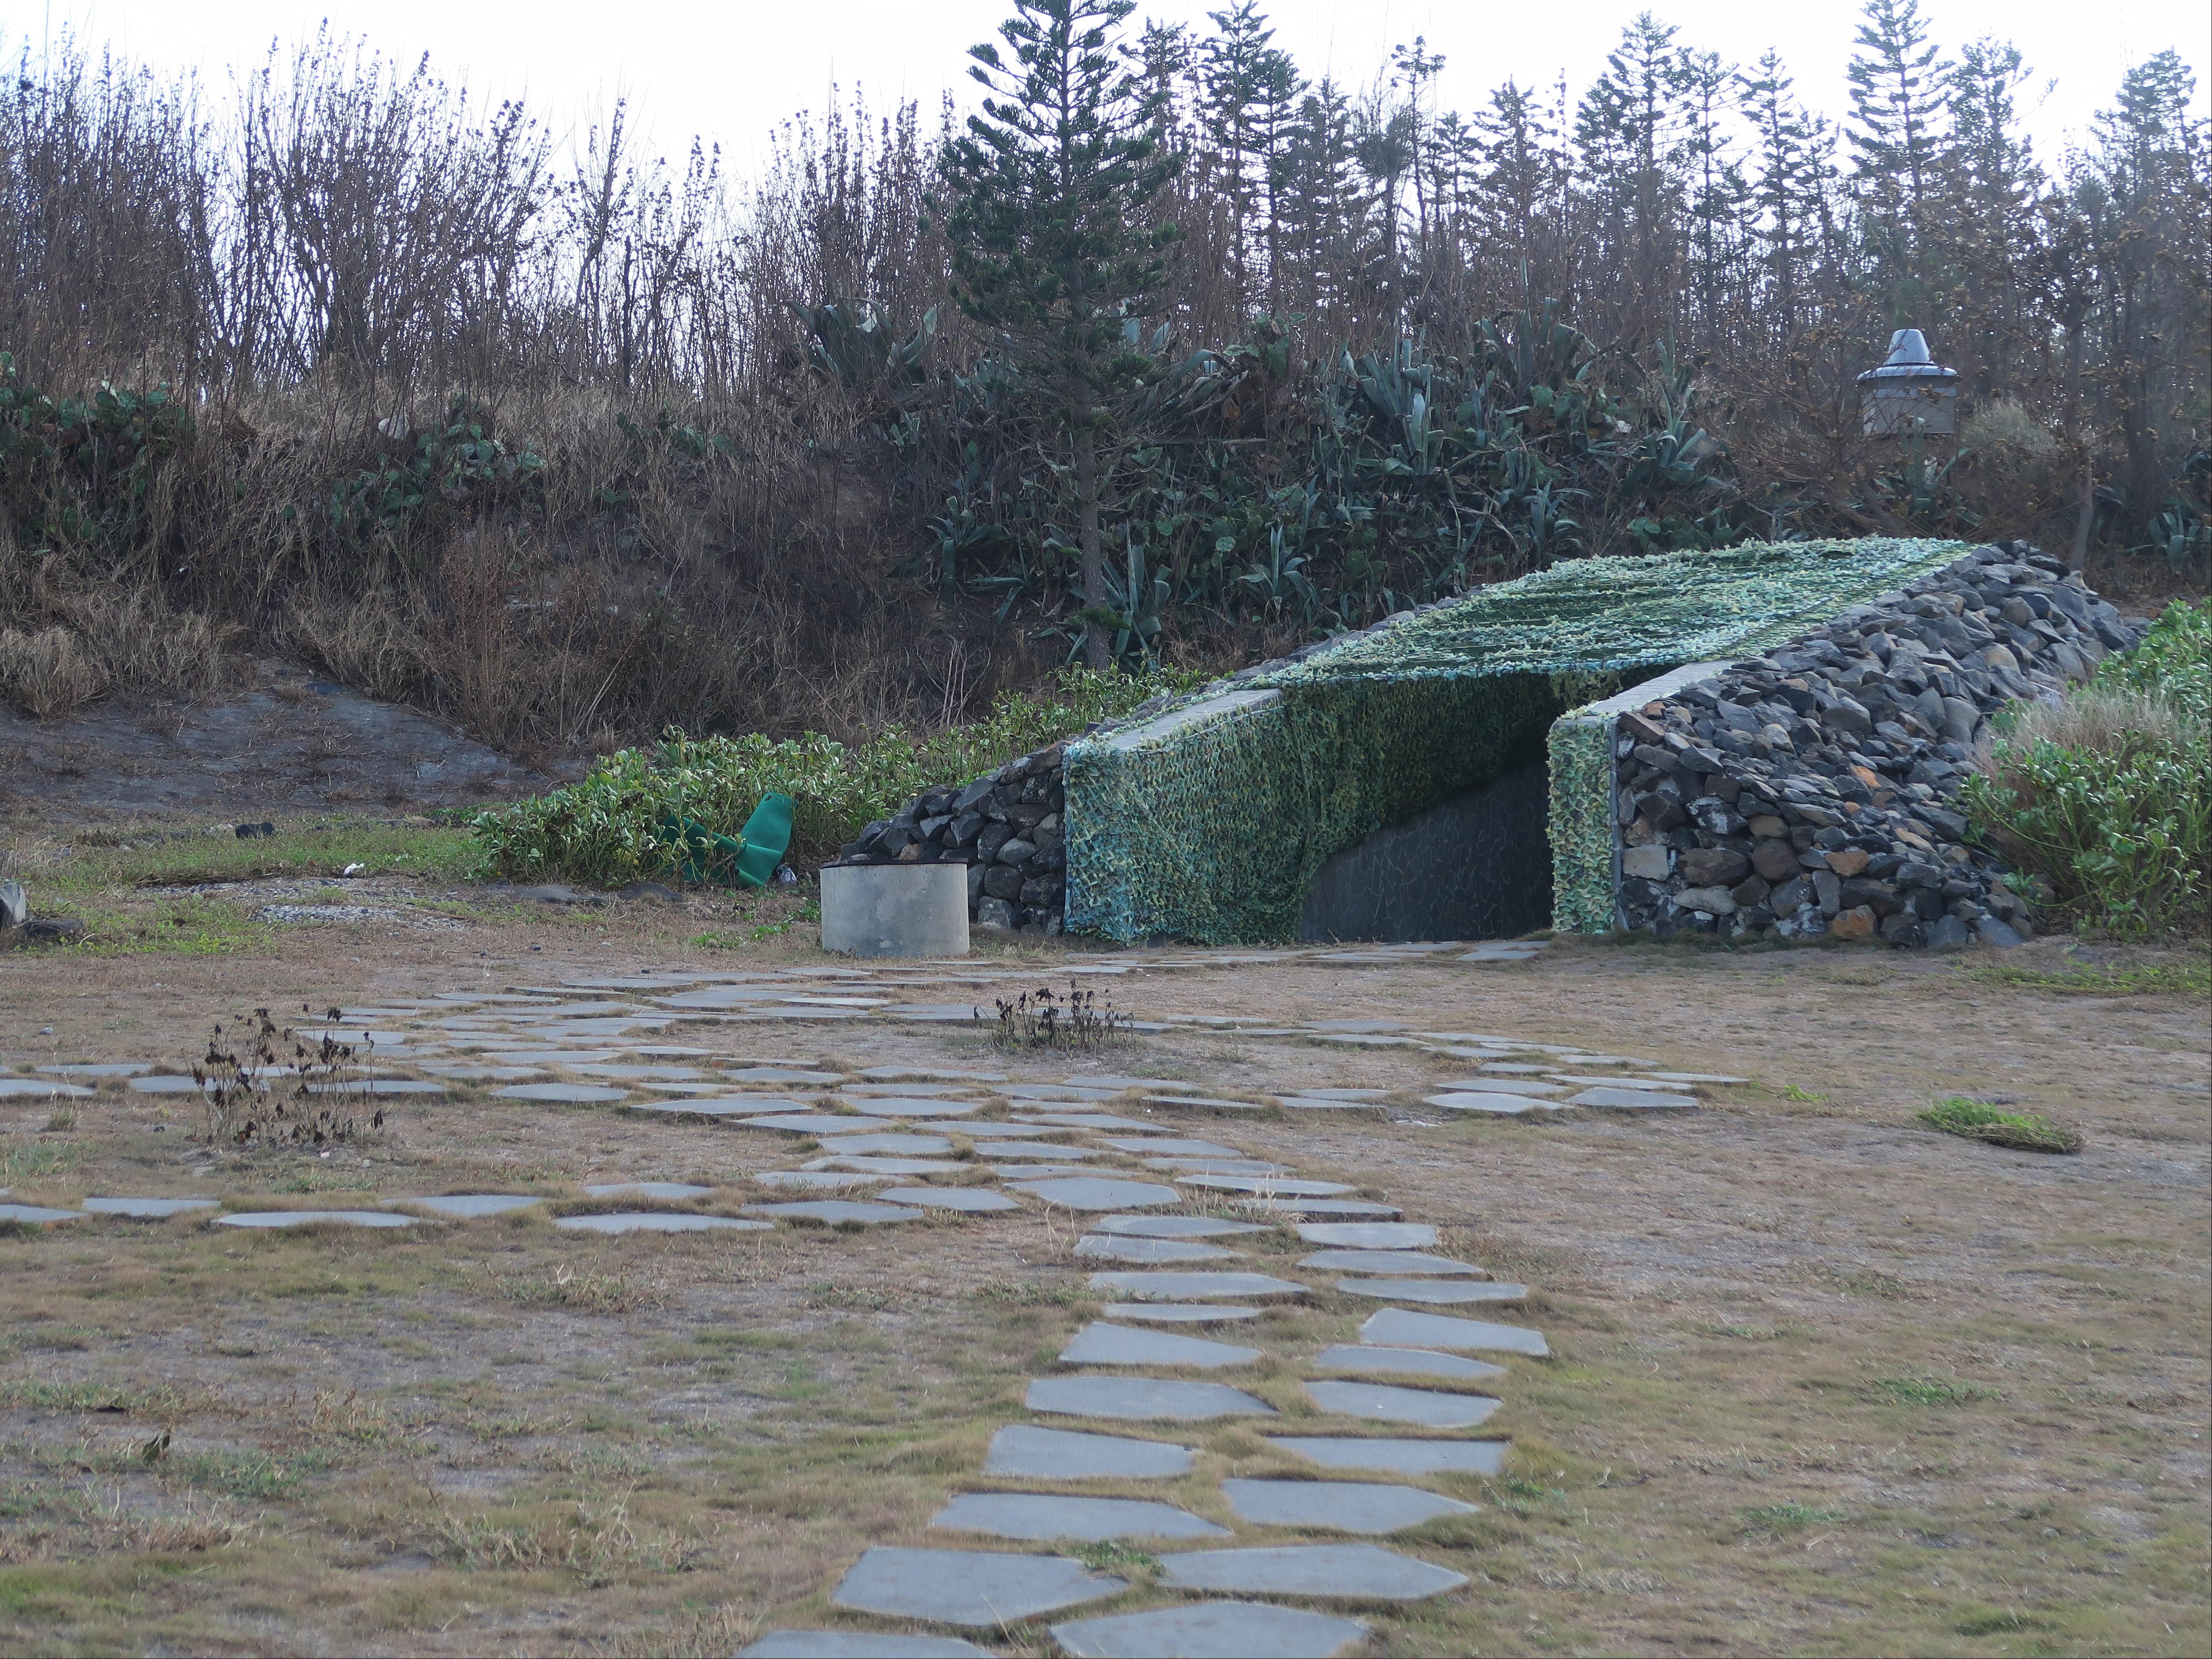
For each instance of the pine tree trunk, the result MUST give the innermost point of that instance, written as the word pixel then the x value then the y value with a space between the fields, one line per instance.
pixel 1086 519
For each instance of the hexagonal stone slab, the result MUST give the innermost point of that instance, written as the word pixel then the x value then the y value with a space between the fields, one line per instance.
pixel 1212 1630
pixel 650 1221
pixel 1176 1226
pixel 975 1589
pixel 1108 1247
pixel 1036 1516
pixel 1057 1091
pixel 1497 1105
pixel 461 1205
pixel 859 1644
pixel 890 1166
pixel 1404 1362
pixel 1338 1506
pixel 1399 1456
pixel 1103 1344
pixel 1433 1291
pixel 1086 1120
pixel 1097 1193
pixel 1047 1152
pixel 1363 1572
pixel 46 1088
pixel 1634 1100
pixel 1381 1403
pixel 1021 1450
pixel 969 1200
pixel 1141 1399
pixel 146 1209
pixel 1398 1327
pixel 1504 1085
pixel 1176 1287
pixel 903 1144
pixel 567 1094
pixel 647 1189
pixel 1369 1234
pixel 835 1212
pixel 1264 1186
pixel 1177 1313
pixel 1390 1261
pixel 696 1107
pixel 306 1217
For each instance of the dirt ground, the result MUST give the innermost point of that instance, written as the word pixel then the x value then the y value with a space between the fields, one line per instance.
pixel 1823 1381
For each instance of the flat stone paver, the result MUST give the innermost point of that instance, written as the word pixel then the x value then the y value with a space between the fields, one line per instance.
pixel 649 1221
pixel 819 1124
pixel 1363 1572
pixel 1634 1100
pixel 1382 1402
pixel 896 1107
pixel 466 1206
pixel 1098 1192
pixel 1265 1186
pixel 969 1200
pixel 1212 1630
pixel 1056 1092
pixel 1200 1286
pixel 1020 1149
pixel 1398 1327
pixel 891 1166
pixel 1021 1450
pixel 694 1108
pixel 1085 1121
pixel 1141 1399
pixel 1111 1247
pixel 143 1086
pixel 96 1068
pixel 1440 1292
pixel 974 1588
pixel 1369 1234
pixel 906 1145
pixel 146 1209
pixel 1178 1313
pixel 1341 1209
pixel 305 1218
pixel 1100 1343
pixel 568 1094
pixel 1689 1077
pixel 836 1212
pixel 1391 1261
pixel 1403 1362
pixel 859 1644
pixel 36 1215
pixel 1497 1105
pixel 647 1189
pixel 1338 1506
pixel 47 1088
pixel 1176 1226
pixel 1504 1085
pixel 1039 1516
pixel 1399 1456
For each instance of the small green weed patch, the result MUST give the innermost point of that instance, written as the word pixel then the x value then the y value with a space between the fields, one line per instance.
pixel 1787 1517
pixel 2185 976
pixel 2028 1132
pixel 1937 1391
pixel 430 852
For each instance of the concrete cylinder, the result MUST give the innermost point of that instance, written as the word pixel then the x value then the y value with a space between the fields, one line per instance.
pixel 896 909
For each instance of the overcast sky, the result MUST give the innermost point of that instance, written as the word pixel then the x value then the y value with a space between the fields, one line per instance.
pixel 732 69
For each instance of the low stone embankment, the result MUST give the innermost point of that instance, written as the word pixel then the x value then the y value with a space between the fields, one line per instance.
pixel 1006 827
pixel 1809 791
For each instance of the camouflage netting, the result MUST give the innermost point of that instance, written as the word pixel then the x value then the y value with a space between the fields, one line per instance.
pixel 1212 831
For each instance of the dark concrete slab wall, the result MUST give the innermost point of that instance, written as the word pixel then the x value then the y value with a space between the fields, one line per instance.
pixel 1478 866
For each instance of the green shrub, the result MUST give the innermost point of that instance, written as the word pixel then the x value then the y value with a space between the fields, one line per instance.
pixel 2027 1132
pixel 2107 794
pixel 607 829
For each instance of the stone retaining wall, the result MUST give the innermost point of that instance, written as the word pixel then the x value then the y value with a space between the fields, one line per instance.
pixel 1810 791
pixel 1006 827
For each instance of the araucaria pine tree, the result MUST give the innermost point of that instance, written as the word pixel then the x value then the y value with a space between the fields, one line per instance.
pixel 1045 224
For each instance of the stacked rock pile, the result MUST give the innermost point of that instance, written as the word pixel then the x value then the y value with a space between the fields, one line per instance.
pixel 1809 791
pixel 1006 827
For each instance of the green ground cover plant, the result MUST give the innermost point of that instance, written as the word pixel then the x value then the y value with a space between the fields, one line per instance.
pixel 151 858
pixel 607 829
pixel 2028 1132
pixel 2107 795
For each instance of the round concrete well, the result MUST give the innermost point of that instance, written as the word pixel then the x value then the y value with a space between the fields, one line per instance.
pixel 896 909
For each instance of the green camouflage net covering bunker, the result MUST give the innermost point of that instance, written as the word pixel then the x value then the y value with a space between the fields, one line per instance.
pixel 1208 821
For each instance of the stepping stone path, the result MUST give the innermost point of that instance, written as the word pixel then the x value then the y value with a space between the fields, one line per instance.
pixel 1407 1367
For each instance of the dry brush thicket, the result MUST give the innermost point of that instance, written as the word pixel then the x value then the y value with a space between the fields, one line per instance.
pixel 569 444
